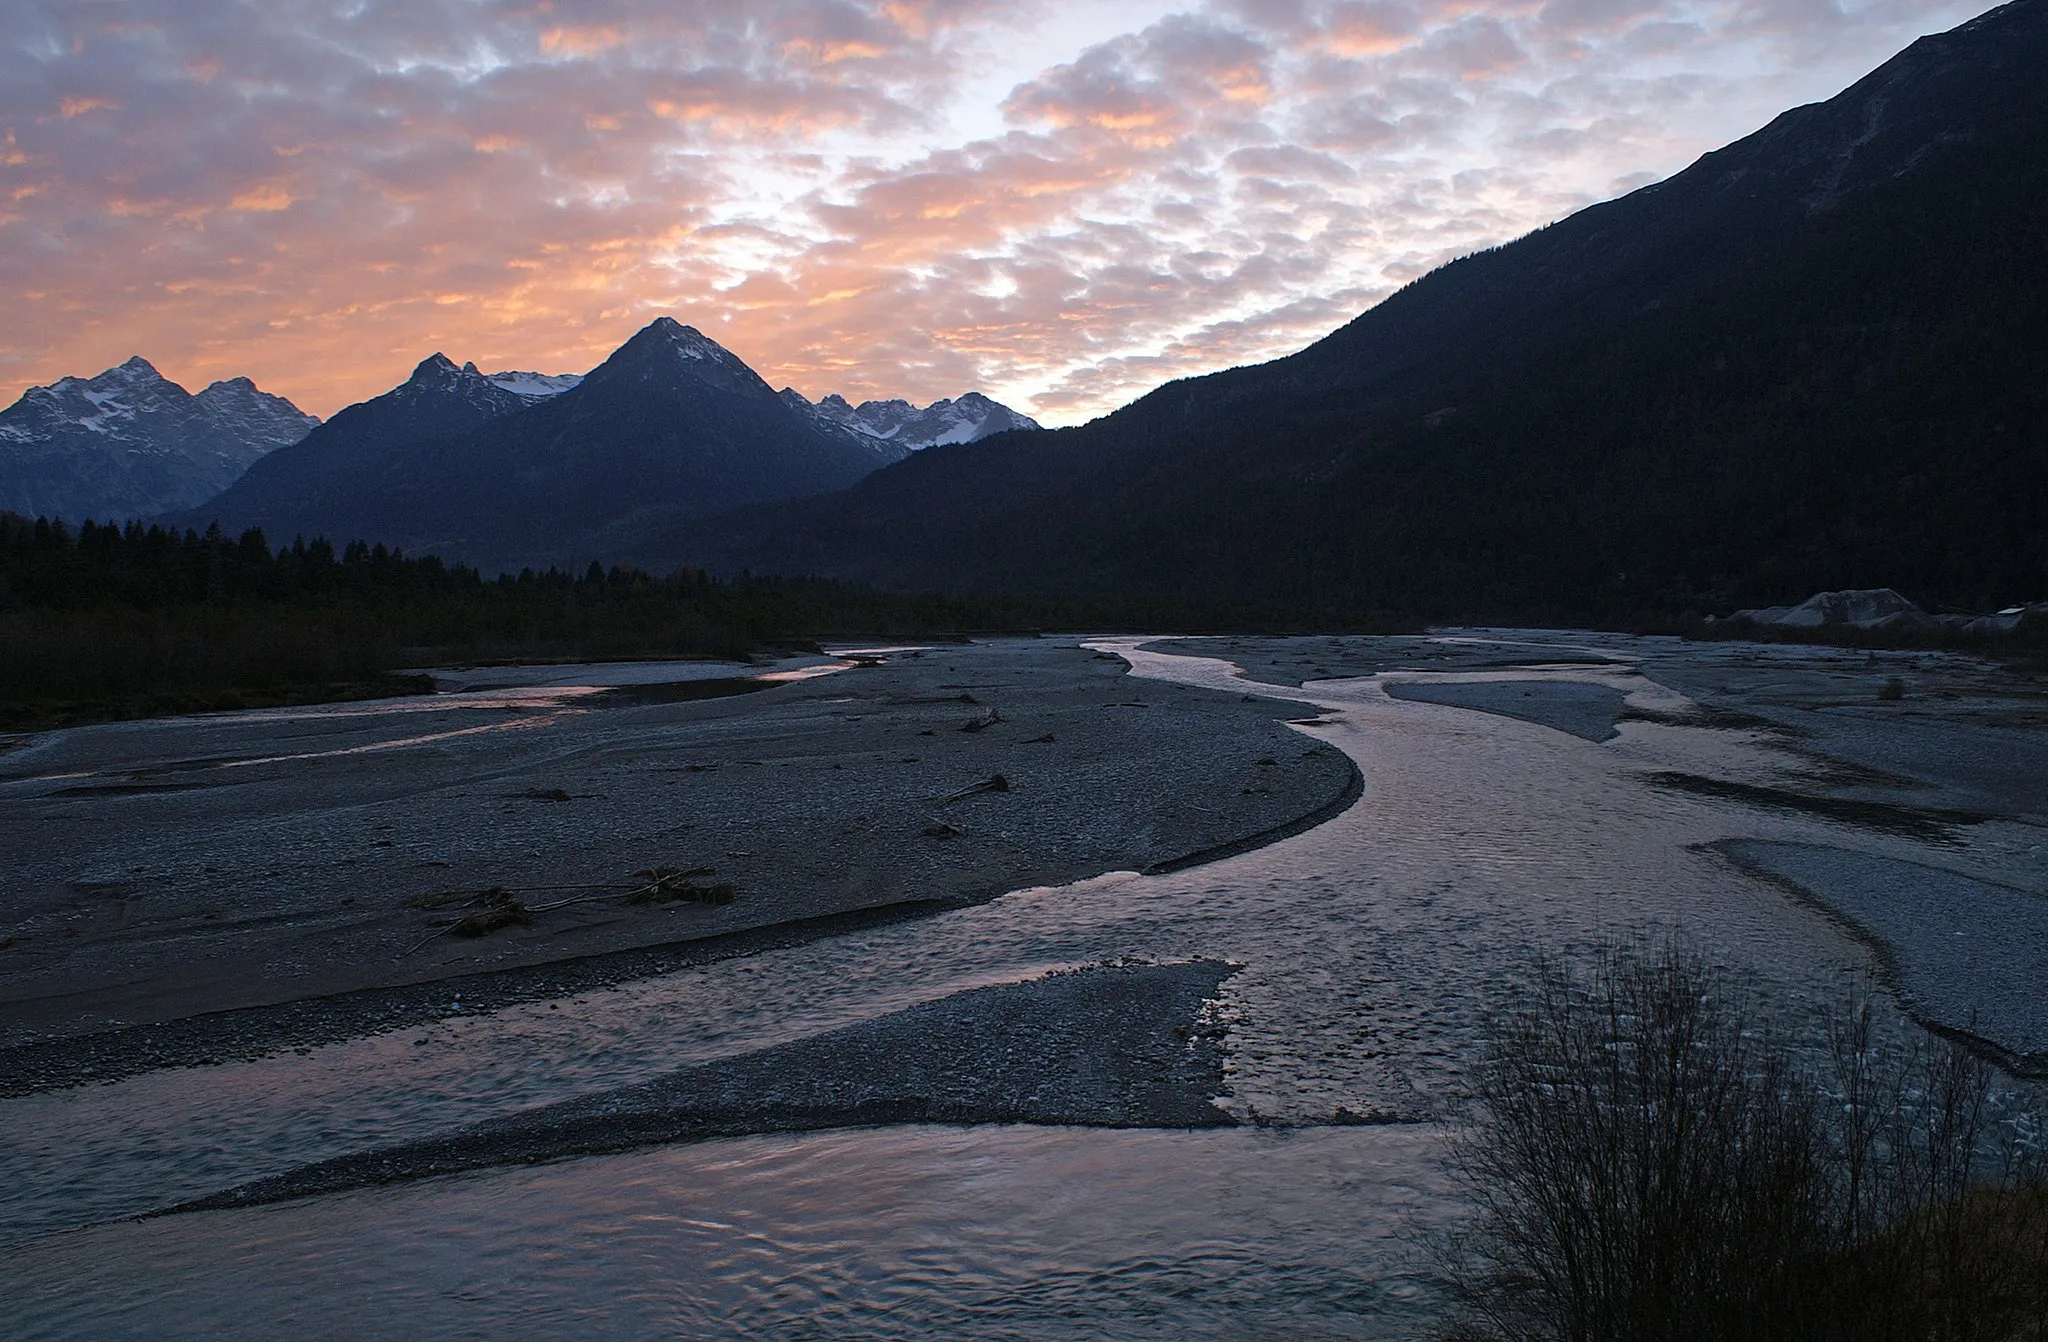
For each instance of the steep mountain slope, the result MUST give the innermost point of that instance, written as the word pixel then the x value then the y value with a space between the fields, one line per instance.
pixel 1817 358
pixel 324 484
pixel 131 443
pixel 969 419
pixel 510 470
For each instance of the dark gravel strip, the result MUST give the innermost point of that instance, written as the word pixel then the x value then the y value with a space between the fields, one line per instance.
pixel 1927 824
pixel 1584 710
pixel 1111 1046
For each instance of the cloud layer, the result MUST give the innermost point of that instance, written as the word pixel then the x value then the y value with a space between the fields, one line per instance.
pixel 877 197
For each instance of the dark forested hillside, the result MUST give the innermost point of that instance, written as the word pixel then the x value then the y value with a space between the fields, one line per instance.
pixel 1817 358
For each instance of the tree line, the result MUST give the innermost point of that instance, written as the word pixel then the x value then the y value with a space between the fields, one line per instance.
pixel 106 621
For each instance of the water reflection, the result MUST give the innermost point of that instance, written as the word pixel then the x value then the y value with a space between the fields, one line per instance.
pixel 542 697
pixel 1010 1232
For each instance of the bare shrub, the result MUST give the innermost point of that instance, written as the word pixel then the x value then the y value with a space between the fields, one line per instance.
pixel 1650 1164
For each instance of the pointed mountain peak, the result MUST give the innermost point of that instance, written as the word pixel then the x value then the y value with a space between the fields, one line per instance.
pixel 669 353
pixel 436 367
pixel 253 413
pixel 131 384
pixel 668 334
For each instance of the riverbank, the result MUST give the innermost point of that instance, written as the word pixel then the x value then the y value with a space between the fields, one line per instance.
pixel 200 889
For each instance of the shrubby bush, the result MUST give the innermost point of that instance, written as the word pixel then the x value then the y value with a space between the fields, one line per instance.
pixel 1650 1163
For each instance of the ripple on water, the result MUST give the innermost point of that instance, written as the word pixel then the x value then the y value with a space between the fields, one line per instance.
pixel 994 1232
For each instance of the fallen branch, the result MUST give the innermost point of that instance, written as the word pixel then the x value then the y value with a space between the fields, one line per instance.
pixel 992 783
pixel 499 906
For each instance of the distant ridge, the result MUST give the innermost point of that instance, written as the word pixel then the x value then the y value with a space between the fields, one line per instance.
pixel 1816 359
pixel 130 442
pixel 323 484
pixel 969 419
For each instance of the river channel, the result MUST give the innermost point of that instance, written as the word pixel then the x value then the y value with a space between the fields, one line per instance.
pixel 1370 951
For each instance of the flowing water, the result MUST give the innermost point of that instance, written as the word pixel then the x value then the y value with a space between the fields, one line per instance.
pixel 1373 948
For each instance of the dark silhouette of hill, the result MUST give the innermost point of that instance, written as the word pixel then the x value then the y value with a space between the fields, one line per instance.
pixel 1817 358
pixel 324 483
pixel 453 464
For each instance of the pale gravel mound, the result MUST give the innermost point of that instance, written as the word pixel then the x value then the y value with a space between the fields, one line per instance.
pixel 168 882
pixel 1112 1046
pixel 1967 955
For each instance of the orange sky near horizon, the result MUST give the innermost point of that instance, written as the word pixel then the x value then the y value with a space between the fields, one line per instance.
pixel 1062 204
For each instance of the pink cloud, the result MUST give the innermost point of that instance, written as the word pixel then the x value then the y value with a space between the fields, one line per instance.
pixel 316 196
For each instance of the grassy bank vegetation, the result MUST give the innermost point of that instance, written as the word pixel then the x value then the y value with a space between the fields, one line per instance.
pixel 106 622
pixel 1652 1165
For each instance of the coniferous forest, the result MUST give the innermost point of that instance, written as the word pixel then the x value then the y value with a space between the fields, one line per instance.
pixel 107 621
pixel 111 621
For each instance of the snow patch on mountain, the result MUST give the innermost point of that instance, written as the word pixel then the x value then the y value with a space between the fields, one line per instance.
pixel 535 386
pixel 690 342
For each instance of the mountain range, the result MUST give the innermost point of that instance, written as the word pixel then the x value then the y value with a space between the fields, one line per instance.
pixel 1815 359
pixel 511 470
pixel 130 442
pixel 970 419
pixel 673 423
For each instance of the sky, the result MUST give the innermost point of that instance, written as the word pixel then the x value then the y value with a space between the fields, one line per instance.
pixel 1060 203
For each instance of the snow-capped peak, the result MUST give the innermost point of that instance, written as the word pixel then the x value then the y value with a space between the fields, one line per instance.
pixel 128 442
pixel 968 419
pixel 691 343
pixel 132 371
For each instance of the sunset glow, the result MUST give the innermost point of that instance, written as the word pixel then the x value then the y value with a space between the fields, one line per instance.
pixel 1060 203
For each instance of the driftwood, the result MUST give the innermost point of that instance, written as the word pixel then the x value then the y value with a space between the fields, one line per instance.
pixel 498 906
pixel 672 885
pixel 992 783
pixel 495 908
